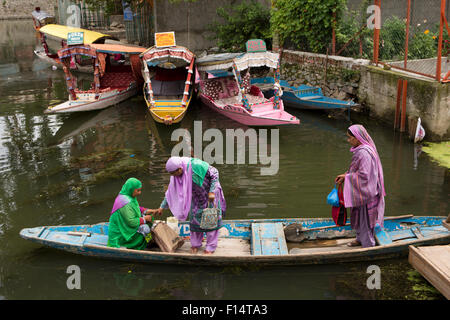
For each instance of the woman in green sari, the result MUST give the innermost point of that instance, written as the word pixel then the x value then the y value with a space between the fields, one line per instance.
pixel 128 223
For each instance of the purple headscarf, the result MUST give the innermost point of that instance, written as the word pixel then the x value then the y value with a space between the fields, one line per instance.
pixel 360 133
pixel 179 192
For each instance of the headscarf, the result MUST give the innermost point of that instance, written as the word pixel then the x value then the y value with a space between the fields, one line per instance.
pixel 360 133
pixel 125 195
pixel 179 192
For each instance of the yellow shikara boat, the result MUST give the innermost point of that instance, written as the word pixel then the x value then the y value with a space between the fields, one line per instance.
pixel 169 82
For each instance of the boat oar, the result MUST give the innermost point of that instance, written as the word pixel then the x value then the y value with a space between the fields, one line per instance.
pixel 296 233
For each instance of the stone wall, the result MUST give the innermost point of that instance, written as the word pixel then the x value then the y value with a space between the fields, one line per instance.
pixel 23 8
pixel 338 77
pixel 373 87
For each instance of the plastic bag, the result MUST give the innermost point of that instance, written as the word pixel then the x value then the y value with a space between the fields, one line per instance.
pixel 333 197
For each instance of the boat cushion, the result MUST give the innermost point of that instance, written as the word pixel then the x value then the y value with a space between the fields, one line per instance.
pixel 212 88
pixel 116 80
pixel 167 88
pixel 268 239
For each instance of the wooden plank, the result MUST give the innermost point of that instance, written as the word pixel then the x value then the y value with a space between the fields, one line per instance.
pixel 256 240
pixel 268 239
pixel 401 234
pixel 433 263
pixel 382 237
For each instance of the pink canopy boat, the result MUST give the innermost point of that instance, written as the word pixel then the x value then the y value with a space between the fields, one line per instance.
pixel 222 88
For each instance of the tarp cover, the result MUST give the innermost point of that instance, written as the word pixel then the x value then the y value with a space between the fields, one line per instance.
pixel 61 32
pixel 224 61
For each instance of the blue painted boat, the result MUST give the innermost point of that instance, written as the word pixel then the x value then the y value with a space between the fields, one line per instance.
pixel 258 242
pixel 302 97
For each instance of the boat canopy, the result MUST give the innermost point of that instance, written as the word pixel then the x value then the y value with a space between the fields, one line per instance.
pixel 224 61
pixel 61 32
pixel 176 55
pixel 219 61
pixel 99 53
pixel 41 15
pixel 117 48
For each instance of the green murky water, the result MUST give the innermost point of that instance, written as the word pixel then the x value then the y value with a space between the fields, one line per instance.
pixel 67 169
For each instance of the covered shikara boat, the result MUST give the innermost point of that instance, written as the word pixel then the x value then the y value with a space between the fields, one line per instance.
pixel 258 242
pixel 168 88
pixel 230 93
pixel 114 80
pixel 303 96
pixel 53 37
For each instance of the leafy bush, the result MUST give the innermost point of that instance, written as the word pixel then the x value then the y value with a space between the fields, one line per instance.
pixel 249 20
pixel 306 23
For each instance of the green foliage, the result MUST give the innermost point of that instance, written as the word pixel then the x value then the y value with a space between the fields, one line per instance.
pixel 110 6
pixel 249 20
pixel 351 31
pixel 392 39
pixel 306 23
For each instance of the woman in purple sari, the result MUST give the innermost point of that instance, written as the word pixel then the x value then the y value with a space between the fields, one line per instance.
pixel 363 186
pixel 194 184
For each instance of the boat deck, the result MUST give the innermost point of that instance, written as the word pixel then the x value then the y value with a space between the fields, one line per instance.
pixel 225 247
pixel 434 264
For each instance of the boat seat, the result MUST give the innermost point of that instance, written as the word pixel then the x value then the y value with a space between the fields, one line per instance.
pixel 311 97
pixel 268 239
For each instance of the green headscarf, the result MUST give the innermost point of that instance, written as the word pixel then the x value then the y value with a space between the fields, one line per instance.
pixel 128 188
pixel 199 168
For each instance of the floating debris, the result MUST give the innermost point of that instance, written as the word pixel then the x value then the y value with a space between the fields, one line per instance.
pixel 439 152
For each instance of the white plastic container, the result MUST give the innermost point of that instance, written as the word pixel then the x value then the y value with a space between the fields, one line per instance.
pixel 172 222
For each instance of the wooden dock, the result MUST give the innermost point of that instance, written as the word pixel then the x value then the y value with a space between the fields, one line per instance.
pixel 433 263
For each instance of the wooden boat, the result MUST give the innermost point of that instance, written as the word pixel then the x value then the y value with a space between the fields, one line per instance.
pixel 433 263
pixel 113 81
pixel 41 18
pixel 303 96
pixel 257 242
pixel 54 36
pixel 168 88
pixel 231 94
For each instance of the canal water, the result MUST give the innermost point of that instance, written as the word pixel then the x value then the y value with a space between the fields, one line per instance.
pixel 66 169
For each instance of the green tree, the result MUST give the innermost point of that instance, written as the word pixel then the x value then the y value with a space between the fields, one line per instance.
pixel 307 24
pixel 248 20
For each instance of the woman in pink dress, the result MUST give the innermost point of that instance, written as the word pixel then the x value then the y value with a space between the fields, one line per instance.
pixel 363 186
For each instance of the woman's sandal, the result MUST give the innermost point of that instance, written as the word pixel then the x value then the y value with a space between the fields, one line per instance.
pixel 354 243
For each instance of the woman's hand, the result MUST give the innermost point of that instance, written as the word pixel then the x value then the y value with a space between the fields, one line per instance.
pixel 154 211
pixel 148 218
pixel 211 197
pixel 340 178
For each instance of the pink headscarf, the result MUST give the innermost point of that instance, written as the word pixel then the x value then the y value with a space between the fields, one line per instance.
pixel 360 133
pixel 179 192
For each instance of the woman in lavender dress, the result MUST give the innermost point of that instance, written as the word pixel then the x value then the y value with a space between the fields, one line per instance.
pixel 194 184
pixel 363 187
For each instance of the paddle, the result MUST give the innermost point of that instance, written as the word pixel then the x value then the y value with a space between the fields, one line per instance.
pixel 296 233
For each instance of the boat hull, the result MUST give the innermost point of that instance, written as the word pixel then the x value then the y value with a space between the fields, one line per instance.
pixel 90 240
pixel 239 114
pixel 86 105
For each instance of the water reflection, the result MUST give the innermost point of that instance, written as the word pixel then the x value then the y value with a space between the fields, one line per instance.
pixel 68 168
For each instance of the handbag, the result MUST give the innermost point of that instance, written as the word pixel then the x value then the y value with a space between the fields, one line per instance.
pixel 333 197
pixel 339 213
pixel 210 218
